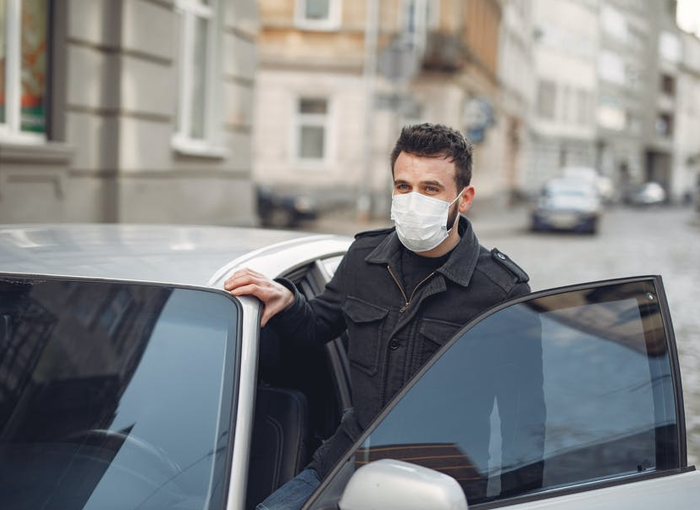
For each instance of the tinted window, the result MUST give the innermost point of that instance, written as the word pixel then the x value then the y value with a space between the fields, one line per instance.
pixel 551 392
pixel 114 396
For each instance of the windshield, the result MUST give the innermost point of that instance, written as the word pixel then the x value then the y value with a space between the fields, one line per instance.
pixel 114 395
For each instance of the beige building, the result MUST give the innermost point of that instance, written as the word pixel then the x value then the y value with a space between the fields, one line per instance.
pixel 127 111
pixel 337 79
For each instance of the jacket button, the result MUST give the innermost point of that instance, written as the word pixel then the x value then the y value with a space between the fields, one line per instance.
pixel 393 345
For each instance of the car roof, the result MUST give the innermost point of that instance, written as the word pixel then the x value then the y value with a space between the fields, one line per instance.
pixel 190 255
pixel 569 183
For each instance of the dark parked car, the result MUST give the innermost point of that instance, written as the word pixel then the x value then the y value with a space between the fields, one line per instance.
pixel 568 204
pixel 282 210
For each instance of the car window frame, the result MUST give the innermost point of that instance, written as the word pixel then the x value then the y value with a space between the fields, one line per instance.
pixel 342 471
pixel 228 472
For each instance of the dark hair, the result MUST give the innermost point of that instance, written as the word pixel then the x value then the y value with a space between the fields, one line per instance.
pixel 437 141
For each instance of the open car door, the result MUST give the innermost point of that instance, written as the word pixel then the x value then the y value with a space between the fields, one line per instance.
pixel 568 398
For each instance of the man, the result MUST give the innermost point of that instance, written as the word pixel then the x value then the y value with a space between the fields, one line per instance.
pixel 399 292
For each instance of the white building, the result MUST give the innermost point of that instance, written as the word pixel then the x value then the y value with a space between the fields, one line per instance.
pixel 566 71
pixel 624 78
pixel 686 174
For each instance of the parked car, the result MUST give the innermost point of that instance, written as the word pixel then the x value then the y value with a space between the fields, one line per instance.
pixel 130 380
pixel 649 193
pixel 282 210
pixel 567 204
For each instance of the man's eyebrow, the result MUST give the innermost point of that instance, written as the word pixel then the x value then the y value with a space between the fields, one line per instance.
pixel 421 183
pixel 432 183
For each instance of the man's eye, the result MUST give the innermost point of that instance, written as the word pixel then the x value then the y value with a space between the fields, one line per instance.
pixel 431 189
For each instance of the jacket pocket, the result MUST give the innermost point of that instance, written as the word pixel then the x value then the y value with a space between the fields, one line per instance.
pixel 434 334
pixel 365 323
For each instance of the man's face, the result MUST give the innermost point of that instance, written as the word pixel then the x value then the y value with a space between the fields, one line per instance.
pixel 432 177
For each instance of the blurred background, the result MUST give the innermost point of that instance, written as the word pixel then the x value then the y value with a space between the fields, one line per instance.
pixel 584 116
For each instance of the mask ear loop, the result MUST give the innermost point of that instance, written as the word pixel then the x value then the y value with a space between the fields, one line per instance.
pixel 457 215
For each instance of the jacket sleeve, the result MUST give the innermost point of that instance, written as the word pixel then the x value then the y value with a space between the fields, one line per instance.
pixel 309 323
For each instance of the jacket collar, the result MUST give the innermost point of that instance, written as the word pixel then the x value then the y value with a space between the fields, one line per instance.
pixel 459 267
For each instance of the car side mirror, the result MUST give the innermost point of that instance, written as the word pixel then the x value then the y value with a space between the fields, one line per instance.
pixel 389 484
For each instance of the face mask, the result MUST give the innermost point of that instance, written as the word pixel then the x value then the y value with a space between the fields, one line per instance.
pixel 421 221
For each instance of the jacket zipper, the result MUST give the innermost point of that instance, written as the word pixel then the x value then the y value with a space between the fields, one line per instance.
pixel 407 300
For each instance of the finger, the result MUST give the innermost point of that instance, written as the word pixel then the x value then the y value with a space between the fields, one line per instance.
pixel 239 280
pixel 241 277
pixel 248 290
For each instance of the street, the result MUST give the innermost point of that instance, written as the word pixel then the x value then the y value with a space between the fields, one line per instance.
pixel 631 242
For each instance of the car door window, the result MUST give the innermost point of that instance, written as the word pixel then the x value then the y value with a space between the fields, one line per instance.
pixel 115 395
pixel 560 389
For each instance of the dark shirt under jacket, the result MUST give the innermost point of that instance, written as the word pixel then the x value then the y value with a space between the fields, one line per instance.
pixel 391 334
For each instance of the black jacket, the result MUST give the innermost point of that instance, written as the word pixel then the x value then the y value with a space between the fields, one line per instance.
pixel 392 336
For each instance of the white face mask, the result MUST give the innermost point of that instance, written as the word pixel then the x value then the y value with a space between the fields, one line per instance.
pixel 421 221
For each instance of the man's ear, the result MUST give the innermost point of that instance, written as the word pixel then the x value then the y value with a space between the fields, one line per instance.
pixel 466 199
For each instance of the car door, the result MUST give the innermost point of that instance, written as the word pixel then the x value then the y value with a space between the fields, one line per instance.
pixel 568 398
pixel 117 394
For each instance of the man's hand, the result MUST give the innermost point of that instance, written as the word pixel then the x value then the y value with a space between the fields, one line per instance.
pixel 275 297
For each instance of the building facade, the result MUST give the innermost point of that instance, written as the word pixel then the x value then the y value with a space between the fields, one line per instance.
pixel 127 111
pixel 337 80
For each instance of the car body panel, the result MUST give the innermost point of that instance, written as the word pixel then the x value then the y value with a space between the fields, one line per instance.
pixel 677 492
pixel 183 255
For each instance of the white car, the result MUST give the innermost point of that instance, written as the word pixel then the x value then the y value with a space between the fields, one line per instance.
pixel 130 380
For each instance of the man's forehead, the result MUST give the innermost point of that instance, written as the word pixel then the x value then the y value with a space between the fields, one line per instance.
pixel 440 169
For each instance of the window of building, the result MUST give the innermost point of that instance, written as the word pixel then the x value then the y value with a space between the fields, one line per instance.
pixel 312 129
pixel 318 14
pixel 195 130
pixel 546 99
pixel 23 70
pixel 611 113
pixel 614 23
pixel 670 47
pixel 668 85
pixel 664 125
pixel 611 67
pixel 560 390
pixel 417 17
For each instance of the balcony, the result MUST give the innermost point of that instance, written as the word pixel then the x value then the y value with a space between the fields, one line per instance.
pixel 444 52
